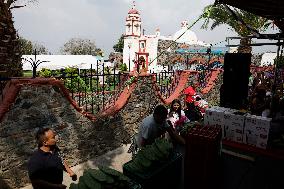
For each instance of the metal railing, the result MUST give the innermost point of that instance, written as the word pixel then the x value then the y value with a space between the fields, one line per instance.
pixel 99 87
pixel 93 90
pixel 167 81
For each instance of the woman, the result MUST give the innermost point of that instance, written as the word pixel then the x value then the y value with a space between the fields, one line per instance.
pixel 177 118
pixel 176 115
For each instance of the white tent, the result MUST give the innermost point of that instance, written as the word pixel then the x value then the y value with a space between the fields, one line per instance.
pixel 55 62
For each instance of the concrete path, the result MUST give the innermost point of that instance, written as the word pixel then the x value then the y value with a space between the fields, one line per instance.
pixel 114 159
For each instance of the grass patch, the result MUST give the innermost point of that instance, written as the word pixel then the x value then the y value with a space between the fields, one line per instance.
pixel 28 73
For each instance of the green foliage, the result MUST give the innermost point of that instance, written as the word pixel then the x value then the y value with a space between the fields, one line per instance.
pixel 28 47
pixel 120 44
pixel 70 71
pixel 103 177
pixel 219 15
pixel 123 67
pixel 45 73
pixel 151 155
pixel 76 84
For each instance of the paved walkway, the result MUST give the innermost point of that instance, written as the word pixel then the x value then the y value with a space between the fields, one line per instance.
pixel 114 159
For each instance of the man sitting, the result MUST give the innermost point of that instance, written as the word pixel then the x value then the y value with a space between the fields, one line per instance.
pixel 155 126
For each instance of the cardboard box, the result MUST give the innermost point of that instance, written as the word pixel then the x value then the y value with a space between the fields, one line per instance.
pixel 263 127
pixel 256 131
pixel 250 134
pixel 234 125
pixel 215 116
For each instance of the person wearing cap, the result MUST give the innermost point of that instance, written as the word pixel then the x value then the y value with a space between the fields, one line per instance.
pixel 189 93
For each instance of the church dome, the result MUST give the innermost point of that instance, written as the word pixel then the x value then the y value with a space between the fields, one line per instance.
pixel 189 37
pixel 133 11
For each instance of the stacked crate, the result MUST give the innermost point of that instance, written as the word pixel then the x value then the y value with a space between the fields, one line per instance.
pixel 238 127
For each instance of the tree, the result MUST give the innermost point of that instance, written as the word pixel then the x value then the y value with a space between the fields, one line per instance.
pixel 219 15
pixel 78 46
pixel 28 47
pixel 120 44
pixel 10 56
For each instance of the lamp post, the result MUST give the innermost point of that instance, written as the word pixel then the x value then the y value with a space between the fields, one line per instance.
pixel 34 63
pixel 129 46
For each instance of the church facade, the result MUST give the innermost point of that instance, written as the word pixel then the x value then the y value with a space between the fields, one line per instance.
pixel 142 50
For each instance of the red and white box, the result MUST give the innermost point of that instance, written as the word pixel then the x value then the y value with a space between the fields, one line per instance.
pixel 256 130
pixel 234 125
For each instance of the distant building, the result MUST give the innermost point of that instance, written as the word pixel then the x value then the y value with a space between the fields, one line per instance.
pixel 55 62
pixel 138 46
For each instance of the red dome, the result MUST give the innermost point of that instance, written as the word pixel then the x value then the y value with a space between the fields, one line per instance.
pixel 133 11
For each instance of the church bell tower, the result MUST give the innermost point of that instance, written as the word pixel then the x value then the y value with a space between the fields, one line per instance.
pixel 133 22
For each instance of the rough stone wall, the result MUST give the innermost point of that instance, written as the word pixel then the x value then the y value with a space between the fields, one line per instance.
pixel 166 57
pixel 79 138
pixel 141 103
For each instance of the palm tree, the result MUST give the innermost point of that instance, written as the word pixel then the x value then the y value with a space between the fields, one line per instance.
pixel 10 53
pixel 219 15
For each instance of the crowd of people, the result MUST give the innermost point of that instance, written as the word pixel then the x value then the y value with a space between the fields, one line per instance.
pixel 265 98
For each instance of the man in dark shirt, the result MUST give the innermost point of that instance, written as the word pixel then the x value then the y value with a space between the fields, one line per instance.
pixel 46 165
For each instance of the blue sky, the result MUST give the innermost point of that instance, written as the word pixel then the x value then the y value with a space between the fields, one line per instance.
pixel 53 22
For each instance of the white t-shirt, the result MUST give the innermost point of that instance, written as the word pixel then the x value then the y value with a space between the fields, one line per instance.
pixel 150 130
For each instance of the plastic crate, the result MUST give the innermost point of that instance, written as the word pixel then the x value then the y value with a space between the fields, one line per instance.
pixel 165 175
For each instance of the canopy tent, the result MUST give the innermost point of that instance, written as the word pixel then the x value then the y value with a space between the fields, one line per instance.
pixel 55 62
pixel 271 9
pixel 202 50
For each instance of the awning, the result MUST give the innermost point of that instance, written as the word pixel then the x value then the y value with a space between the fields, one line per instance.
pixel 271 9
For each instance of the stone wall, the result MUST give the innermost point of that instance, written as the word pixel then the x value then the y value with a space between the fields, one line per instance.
pixel 79 138
pixel 168 55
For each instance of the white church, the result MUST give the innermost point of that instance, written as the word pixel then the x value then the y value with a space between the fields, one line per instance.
pixel 143 49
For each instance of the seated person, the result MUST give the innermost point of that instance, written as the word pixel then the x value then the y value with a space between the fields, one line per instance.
pixel 155 126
